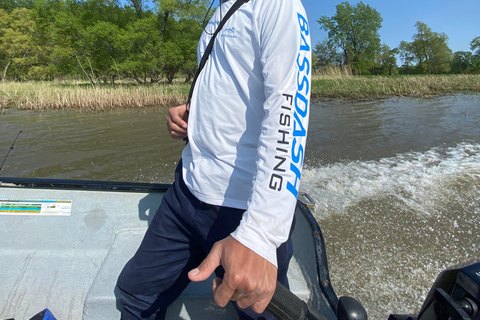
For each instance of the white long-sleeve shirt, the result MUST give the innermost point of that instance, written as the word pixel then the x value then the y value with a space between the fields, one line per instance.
pixel 248 118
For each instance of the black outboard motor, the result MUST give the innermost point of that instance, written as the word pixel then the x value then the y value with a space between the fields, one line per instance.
pixel 454 295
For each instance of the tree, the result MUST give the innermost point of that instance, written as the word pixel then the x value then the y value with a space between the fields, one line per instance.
pixel 10 5
pixel 52 59
pixel 181 28
pixel 386 60
pixel 138 6
pixel 85 35
pixel 71 49
pixel 190 31
pixel 15 43
pixel 177 9
pixel 354 29
pixel 42 39
pixel 462 62
pixel 475 46
pixel 102 51
pixel 327 54
pixel 430 50
pixel 94 11
pixel 406 54
pixel 141 46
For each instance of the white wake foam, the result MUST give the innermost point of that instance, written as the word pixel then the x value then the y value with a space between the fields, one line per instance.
pixel 416 180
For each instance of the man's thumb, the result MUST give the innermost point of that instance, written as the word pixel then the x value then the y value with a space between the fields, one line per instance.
pixel 206 268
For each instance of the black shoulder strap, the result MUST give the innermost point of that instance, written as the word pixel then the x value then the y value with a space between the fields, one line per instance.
pixel 208 50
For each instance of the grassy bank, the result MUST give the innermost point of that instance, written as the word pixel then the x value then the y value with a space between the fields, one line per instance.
pixel 78 95
pixel 334 84
pixel 373 87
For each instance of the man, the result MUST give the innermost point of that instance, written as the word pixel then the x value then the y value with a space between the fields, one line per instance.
pixel 234 195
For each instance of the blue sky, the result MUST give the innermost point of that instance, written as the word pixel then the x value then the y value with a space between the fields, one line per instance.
pixel 459 19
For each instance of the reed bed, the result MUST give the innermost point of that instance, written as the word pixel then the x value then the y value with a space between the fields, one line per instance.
pixel 373 87
pixel 48 96
pixel 333 83
pixel 333 72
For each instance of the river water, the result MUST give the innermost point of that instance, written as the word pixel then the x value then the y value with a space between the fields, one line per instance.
pixel 396 181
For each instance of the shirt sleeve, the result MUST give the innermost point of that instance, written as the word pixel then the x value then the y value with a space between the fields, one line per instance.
pixel 283 34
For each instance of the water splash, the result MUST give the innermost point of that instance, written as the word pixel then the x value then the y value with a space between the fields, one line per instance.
pixel 417 180
pixel 393 224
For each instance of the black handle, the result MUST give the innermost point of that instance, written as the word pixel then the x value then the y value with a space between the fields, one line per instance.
pixel 287 306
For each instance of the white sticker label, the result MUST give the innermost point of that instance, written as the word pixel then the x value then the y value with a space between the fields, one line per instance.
pixel 35 207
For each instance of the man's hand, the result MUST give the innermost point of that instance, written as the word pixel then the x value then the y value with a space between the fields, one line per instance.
pixel 249 279
pixel 177 119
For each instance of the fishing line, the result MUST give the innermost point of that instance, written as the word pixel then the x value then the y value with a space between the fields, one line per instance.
pixel 11 148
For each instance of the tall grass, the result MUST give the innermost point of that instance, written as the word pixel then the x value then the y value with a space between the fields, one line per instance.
pixel 330 83
pixel 336 83
pixel 333 72
pixel 48 95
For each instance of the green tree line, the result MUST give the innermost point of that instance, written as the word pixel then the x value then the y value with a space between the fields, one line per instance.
pixel 353 40
pixel 103 41
pixel 99 39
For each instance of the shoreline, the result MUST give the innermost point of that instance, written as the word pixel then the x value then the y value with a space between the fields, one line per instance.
pixel 381 87
pixel 63 95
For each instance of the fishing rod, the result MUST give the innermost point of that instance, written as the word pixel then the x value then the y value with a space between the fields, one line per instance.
pixel 11 148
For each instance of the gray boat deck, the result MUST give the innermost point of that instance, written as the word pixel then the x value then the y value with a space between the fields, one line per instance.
pixel 69 264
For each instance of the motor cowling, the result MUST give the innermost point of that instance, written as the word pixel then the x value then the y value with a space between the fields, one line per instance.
pixel 454 295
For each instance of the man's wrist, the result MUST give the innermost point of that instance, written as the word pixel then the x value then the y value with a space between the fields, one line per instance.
pixel 256 241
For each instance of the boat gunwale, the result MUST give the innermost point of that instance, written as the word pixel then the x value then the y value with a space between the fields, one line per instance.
pixel 88 185
pixel 323 273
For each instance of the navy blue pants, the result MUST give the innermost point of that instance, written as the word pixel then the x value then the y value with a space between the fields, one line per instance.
pixel 180 236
